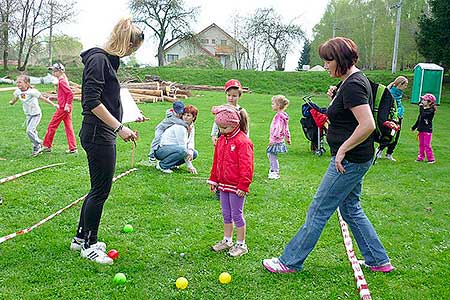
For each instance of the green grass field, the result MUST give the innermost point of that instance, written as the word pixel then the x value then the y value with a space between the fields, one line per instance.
pixel 407 203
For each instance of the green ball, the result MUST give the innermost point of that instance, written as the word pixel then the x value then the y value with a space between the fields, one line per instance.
pixel 128 228
pixel 120 278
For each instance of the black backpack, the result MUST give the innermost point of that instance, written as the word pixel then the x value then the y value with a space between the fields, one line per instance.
pixel 384 113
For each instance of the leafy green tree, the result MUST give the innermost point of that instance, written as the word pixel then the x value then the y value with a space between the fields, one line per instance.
pixel 305 58
pixel 371 24
pixel 433 37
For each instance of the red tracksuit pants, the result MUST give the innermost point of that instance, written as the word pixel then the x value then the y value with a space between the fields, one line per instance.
pixel 60 116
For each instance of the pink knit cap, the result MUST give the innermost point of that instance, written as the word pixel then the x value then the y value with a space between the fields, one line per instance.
pixel 226 115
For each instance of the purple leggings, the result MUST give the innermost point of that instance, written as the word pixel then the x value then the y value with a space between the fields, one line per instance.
pixel 232 208
pixel 273 159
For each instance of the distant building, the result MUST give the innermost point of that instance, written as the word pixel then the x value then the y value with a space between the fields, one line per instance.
pixel 213 41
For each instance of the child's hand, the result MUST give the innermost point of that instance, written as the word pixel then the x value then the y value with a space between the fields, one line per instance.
pixel 213 188
pixel 214 140
pixel 241 193
pixel 66 108
pixel 56 106
pixel 192 170
pixel 142 118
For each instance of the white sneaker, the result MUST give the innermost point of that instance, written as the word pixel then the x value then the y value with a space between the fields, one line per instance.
pixel 273 175
pixel 97 254
pixel 76 244
pixel 379 153
pixel 389 157
pixel 167 171
pixel 152 161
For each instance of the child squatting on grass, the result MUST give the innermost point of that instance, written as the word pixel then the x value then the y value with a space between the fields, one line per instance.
pixel 231 174
pixel 424 125
pixel 63 113
pixel 279 132
pixel 29 97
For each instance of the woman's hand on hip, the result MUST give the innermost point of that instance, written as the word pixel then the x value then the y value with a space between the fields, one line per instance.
pixel 127 134
pixel 340 155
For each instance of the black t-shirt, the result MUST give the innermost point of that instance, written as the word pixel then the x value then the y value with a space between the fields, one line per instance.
pixel 354 91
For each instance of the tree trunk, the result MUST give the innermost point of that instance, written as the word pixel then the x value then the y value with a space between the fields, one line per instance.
pixel 160 56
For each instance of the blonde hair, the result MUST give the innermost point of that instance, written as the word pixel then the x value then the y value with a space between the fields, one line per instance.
pixel 398 81
pixel 281 100
pixel 125 38
pixel 25 78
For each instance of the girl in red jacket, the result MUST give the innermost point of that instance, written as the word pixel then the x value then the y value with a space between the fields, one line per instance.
pixel 231 174
pixel 63 113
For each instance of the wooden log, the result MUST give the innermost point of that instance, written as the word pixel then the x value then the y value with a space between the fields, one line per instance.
pixel 168 98
pixel 143 85
pixel 146 92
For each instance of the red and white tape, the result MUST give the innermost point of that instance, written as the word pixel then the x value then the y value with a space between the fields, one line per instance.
pixel 361 284
pixel 9 178
pixel 26 230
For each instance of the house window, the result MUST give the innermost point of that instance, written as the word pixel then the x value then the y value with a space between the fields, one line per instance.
pixel 223 42
pixel 172 57
pixel 213 41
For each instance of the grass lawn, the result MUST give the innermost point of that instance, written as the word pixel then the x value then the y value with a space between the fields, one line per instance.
pixel 407 203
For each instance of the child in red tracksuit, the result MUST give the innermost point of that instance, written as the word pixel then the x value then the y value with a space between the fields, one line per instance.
pixel 63 113
pixel 231 174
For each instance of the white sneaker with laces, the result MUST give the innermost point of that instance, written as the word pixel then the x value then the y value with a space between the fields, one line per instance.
pixel 97 254
pixel 76 244
pixel 167 171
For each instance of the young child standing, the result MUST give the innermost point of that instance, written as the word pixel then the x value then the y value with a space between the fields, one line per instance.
pixel 397 87
pixel 63 113
pixel 233 92
pixel 279 132
pixel 424 125
pixel 29 97
pixel 231 174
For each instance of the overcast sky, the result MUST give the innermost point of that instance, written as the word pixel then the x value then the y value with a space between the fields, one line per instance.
pixel 96 18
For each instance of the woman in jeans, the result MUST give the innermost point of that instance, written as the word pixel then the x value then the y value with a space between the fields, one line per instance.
pixel 102 115
pixel 350 139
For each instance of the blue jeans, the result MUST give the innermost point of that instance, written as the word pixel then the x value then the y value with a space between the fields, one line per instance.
pixel 171 156
pixel 343 191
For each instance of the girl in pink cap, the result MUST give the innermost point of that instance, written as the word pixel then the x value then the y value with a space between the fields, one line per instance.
pixel 424 125
pixel 231 174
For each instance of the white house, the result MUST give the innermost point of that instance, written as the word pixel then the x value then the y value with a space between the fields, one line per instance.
pixel 213 41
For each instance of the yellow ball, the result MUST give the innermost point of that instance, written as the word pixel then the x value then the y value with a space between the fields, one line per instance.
pixel 225 278
pixel 181 283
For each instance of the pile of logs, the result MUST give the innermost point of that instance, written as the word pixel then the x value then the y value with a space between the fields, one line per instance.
pixel 154 90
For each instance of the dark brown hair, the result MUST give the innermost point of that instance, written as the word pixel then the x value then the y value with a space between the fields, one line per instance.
pixel 191 109
pixel 342 50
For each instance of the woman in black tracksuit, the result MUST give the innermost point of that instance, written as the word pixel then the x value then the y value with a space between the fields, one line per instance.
pixel 102 115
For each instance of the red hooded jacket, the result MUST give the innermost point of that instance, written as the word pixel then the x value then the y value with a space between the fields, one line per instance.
pixel 232 167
